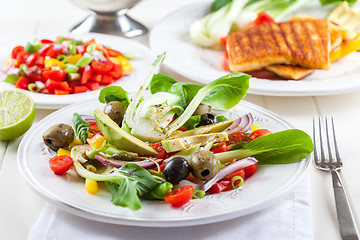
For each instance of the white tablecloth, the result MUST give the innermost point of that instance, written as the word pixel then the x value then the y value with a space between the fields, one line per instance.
pixel 288 219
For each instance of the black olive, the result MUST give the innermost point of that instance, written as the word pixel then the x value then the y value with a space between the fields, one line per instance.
pixel 176 170
pixel 59 136
pixel 115 110
pixel 206 119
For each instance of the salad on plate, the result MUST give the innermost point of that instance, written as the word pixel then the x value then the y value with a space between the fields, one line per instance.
pixel 65 65
pixel 171 143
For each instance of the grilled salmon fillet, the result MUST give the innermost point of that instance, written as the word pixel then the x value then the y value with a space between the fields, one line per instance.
pixel 302 42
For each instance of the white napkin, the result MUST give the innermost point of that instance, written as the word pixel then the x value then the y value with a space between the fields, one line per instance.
pixel 288 219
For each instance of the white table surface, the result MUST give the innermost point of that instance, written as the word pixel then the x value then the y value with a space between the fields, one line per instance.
pixel 20 207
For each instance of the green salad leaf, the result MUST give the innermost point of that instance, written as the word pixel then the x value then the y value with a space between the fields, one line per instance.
pixel 82 127
pixel 161 83
pixel 114 93
pixel 287 146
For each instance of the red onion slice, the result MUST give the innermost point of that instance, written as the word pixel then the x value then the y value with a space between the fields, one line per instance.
pixel 87 118
pixel 147 164
pixel 239 164
pixel 241 124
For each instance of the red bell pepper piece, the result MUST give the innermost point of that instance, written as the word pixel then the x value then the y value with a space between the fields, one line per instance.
pixel 80 89
pixel 106 80
pixel 86 75
pixel 116 71
pixel 32 59
pixel 93 85
pixel 221 186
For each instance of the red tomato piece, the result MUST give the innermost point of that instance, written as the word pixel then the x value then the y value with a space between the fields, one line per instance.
pixel 52 85
pixel 97 77
pixel 32 59
pixel 44 49
pixel 93 85
pixel 106 80
pixel 220 147
pixel 52 52
pixel 60 164
pixel 44 41
pixel 46 91
pixel 221 186
pixel 179 196
pixel 56 75
pixel 236 137
pixel 250 170
pixel 162 154
pixel 93 127
pixel 16 50
pixel 61 92
pixel 102 67
pixel 41 61
pixel 116 71
pixel 80 49
pixel 22 83
pixel 21 56
pixel 113 53
pixel 258 133
pixel 80 89
pixel 86 75
pixel 262 18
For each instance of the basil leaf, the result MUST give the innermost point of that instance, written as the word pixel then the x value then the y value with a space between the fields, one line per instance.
pixel 124 193
pixel 82 127
pixel 227 91
pixel 145 182
pixel 186 92
pixel 114 93
pixel 161 83
pixel 192 122
pixel 277 148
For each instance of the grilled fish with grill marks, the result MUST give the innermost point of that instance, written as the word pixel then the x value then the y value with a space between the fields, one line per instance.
pixel 300 42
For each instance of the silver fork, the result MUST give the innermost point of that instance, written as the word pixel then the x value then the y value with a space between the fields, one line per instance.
pixel 333 163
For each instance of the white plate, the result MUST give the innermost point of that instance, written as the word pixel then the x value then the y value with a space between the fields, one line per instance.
pixel 142 65
pixel 204 65
pixel 264 188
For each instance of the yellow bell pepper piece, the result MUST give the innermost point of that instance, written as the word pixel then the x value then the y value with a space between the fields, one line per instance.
pixel 350 46
pixel 62 152
pixel 123 61
pixel 52 62
pixel 254 127
pixel 91 186
pixel 97 141
pixel 73 59
pixel 346 48
pixel 75 143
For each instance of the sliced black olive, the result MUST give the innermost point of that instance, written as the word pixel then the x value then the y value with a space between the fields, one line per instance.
pixel 176 170
pixel 115 110
pixel 59 136
pixel 204 165
pixel 207 119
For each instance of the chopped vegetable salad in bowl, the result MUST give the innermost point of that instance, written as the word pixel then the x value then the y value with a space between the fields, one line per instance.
pixel 61 70
pixel 172 145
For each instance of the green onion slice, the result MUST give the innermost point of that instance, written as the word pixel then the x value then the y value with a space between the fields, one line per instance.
pixel 198 194
pixel 84 61
pixel 33 88
pixel 239 184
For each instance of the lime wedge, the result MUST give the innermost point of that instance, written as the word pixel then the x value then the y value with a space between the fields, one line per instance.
pixel 17 113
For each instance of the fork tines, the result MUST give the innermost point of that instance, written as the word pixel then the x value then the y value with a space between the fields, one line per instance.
pixel 330 159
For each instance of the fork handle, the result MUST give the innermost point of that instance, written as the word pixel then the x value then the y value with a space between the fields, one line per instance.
pixel 345 216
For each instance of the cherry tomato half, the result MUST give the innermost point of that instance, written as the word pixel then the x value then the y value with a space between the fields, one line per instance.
pixel 16 50
pixel 220 147
pixel 236 137
pixel 179 196
pixel 221 186
pixel 258 133
pixel 60 164
pixel 162 154
pixel 102 67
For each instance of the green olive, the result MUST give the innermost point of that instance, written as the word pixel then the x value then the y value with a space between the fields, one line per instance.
pixel 115 110
pixel 59 136
pixel 204 165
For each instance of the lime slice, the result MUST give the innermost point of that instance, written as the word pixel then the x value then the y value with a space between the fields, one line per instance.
pixel 17 113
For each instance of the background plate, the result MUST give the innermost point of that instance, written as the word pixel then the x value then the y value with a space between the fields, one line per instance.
pixel 205 65
pixel 142 65
pixel 264 188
